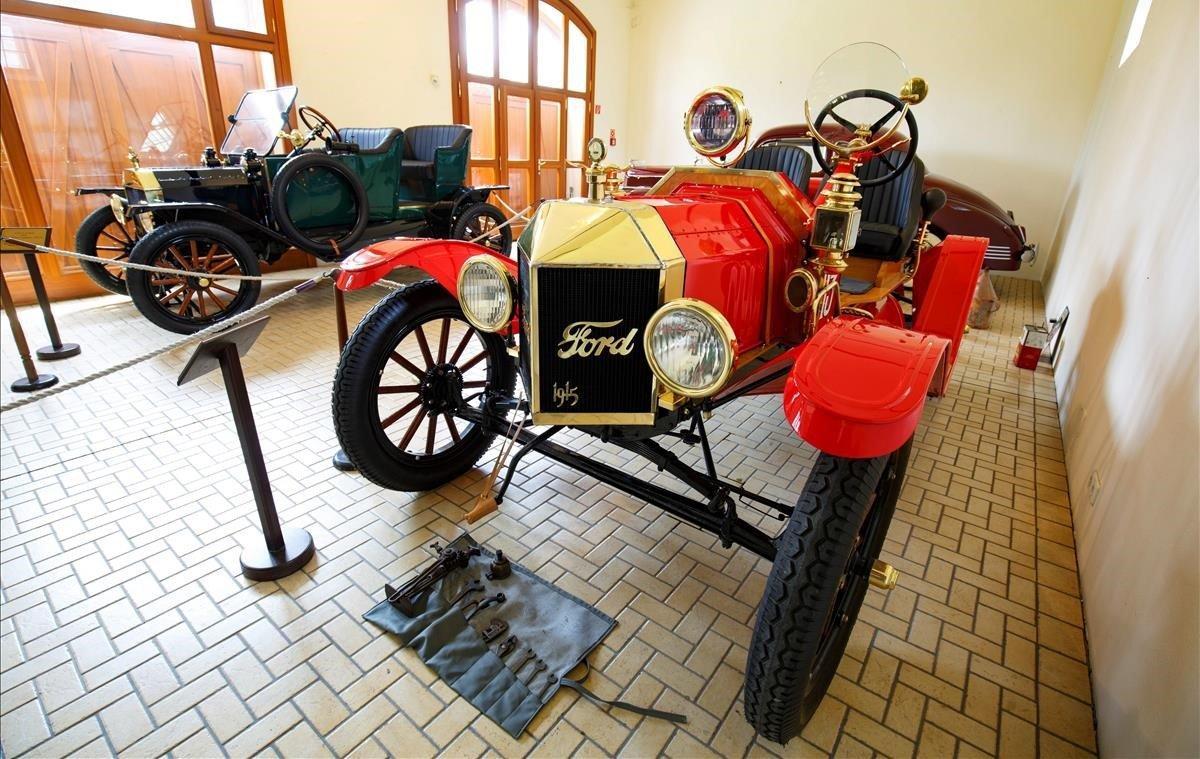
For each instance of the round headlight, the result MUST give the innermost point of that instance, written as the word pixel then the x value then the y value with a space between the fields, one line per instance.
pixel 717 121
pixel 485 293
pixel 690 346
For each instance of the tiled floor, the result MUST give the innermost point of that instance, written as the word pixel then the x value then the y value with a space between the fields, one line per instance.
pixel 126 627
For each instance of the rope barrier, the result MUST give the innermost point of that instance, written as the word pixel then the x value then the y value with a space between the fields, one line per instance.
pixel 202 334
pixel 207 331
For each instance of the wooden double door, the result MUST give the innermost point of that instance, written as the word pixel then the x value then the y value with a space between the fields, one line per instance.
pixel 75 100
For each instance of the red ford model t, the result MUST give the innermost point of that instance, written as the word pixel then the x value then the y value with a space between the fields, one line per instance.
pixel 633 318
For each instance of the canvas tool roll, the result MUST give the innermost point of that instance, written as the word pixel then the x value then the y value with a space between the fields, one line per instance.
pixel 561 630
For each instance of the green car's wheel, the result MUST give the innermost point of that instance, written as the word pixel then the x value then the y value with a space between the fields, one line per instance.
pixel 187 304
pixel 102 235
pixel 481 222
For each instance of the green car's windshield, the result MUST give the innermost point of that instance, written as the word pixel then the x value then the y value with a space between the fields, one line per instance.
pixel 259 117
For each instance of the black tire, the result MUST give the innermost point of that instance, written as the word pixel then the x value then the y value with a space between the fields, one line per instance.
pixel 479 218
pixel 101 235
pixel 189 304
pixel 312 162
pixel 377 348
pixel 816 588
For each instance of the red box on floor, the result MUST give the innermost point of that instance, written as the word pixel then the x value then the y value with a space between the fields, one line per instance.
pixel 1029 350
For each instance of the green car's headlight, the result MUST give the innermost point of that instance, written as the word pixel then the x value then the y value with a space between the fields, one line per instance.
pixel 691 347
pixel 485 293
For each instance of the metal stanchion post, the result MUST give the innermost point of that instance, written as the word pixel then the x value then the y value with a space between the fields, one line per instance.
pixel 33 380
pixel 283 551
pixel 57 348
pixel 341 461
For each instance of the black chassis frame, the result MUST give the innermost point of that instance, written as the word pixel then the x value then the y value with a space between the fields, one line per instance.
pixel 445 210
pixel 717 514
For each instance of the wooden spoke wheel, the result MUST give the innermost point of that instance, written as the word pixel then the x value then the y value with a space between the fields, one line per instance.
pixel 482 222
pixel 410 366
pixel 188 303
pixel 102 235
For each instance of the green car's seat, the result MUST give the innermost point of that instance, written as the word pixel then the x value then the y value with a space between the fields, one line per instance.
pixel 371 139
pixel 435 160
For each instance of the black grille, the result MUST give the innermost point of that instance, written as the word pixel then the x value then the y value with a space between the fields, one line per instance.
pixel 604 381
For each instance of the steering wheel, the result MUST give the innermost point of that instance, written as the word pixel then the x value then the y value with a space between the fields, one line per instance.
pixel 864 134
pixel 317 123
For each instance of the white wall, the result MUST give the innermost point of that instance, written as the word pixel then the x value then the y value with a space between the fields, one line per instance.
pixel 374 62
pixel 1011 83
pixel 1128 379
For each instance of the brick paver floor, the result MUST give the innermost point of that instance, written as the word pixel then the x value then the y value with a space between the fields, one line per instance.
pixel 126 627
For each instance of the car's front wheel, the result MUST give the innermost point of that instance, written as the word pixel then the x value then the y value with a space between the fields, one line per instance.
pixel 483 224
pixel 411 364
pixel 189 303
pixel 816 587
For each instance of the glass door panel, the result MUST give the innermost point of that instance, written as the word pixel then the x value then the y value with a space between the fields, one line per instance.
pixel 481 110
pixel 519 189
pixel 246 15
pixel 551 42
pixel 514 36
pixel 576 119
pixel 520 128
pixel 239 70
pixel 12 209
pixel 479 38
pixel 577 58
pixel 550 146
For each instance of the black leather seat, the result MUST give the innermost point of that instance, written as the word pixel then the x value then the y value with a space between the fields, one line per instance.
pixel 793 161
pixel 371 139
pixel 421 144
pixel 890 211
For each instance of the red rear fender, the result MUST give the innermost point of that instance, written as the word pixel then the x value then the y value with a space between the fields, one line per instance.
pixel 857 387
pixel 440 259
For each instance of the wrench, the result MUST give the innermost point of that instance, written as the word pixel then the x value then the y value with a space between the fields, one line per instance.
pixel 474 586
pixel 538 666
pixel 508 645
pixel 482 603
pixel 526 655
pixel 551 680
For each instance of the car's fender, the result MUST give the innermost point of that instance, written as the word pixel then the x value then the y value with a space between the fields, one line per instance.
pixel 857 387
pixel 440 259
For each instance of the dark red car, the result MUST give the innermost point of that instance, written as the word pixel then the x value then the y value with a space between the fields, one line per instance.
pixel 967 211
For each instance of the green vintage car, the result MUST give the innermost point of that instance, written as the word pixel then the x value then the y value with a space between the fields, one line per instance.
pixel 334 191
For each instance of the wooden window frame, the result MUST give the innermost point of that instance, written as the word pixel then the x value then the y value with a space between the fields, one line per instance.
pixel 205 34
pixel 459 79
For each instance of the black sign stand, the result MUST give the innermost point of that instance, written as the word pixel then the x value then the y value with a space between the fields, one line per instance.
pixel 33 380
pixel 25 238
pixel 57 348
pixel 283 551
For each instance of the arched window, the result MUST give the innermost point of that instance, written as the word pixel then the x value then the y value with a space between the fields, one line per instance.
pixel 523 80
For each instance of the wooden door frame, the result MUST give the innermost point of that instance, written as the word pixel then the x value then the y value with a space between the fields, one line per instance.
pixel 459 79
pixel 204 34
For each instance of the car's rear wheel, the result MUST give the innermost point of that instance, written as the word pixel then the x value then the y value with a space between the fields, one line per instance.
pixel 411 363
pixel 816 587
pixel 482 222
pixel 102 235
pixel 187 304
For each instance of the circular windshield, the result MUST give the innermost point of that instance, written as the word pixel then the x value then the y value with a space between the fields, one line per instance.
pixel 860 66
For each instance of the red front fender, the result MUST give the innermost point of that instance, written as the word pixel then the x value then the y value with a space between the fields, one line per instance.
pixel 440 259
pixel 857 387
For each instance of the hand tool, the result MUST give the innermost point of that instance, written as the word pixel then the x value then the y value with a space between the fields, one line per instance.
pixel 494 629
pixel 500 567
pixel 538 666
pixel 551 680
pixel 507 646
pixel 480 604
pixel 526 655
pixel 448 560
pixel 474 586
